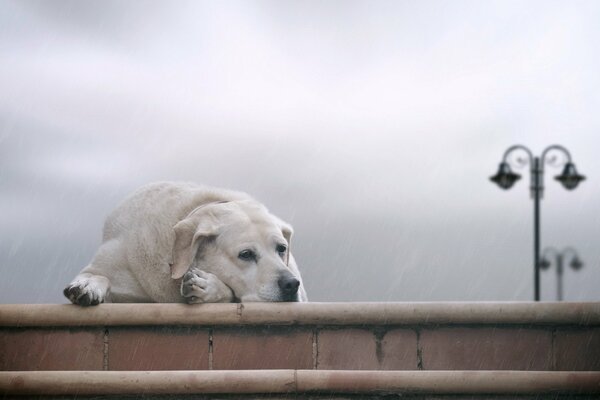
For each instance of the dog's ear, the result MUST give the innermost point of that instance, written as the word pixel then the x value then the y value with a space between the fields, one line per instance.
pixel 287 231
pixel 190 232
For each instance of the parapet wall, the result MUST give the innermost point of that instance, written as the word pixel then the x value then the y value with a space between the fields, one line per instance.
pixel 318 336
pixel 420 351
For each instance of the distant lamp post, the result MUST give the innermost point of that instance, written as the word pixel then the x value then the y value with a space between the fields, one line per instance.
pixel 506 178
pixel 559 258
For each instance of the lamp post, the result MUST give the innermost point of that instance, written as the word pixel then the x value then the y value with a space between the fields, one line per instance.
pixel 506 178
pixel 559 258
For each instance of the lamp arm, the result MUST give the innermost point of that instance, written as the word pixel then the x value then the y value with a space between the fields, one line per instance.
pixel 515 148
pixel 550 252
pixel 570 253
pixel 555 147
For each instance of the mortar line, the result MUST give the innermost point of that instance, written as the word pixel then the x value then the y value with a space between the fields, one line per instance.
pixel 379 334
pixel 105 350
pixel 553 349
pixel 210 348
pixel 419 350
pixel 315 348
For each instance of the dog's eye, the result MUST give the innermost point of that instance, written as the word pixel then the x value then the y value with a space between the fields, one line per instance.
pixel 281 249
pixel 247 255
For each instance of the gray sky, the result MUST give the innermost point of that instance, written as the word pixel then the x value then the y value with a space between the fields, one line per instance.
pixel 371 126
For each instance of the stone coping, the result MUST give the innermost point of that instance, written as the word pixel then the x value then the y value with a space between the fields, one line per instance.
pixel 325 314
pixel 296 381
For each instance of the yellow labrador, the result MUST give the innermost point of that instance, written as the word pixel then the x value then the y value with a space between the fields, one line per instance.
pixel 179 242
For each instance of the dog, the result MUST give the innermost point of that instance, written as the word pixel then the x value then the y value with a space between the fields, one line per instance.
pixel 174 242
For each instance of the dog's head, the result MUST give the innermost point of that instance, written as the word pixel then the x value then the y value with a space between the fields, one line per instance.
pixel 244 245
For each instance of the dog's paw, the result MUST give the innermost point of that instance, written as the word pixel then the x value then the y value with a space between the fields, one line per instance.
pixel 203 287
pixel 84 293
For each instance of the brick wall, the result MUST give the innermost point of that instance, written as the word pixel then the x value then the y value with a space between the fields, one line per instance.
pixel 542 344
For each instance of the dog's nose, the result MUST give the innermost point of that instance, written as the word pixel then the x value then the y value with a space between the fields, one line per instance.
pixel 288 285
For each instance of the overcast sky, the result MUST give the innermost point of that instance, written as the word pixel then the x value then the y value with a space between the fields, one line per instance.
pixel 371 126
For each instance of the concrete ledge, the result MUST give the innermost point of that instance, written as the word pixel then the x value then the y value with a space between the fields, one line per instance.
pixel 297 381
pixel 529 313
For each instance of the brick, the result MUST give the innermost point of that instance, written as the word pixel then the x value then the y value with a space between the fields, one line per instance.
pixel 52 349
pixel 262 348
pixel 354 349
pixel 157 348
pixel 347 349
pixel 399 350
pixel 486 349
pixel 577 350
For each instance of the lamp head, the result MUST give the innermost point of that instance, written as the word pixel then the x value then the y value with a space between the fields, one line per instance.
pixel 569 177
pixel 505 178
pixel 576 264
pixel 544 263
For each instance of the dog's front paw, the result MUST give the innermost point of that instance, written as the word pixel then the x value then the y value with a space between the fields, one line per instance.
pixel 84 293
pixel 203 287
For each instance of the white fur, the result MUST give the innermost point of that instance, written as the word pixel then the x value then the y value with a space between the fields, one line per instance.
pixel 163 230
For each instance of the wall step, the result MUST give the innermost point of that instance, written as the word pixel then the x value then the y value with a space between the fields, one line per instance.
pixel 298 382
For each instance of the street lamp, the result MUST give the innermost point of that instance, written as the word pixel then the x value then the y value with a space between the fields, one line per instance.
pixel 506 178
pixel 560 258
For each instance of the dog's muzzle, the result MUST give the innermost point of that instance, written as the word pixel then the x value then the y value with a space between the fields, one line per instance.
pixel 288 285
